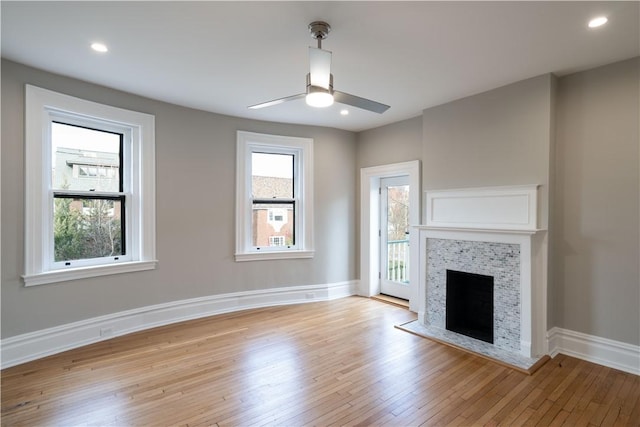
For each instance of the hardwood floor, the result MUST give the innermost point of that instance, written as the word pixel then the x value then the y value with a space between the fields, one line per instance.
pixel 327 363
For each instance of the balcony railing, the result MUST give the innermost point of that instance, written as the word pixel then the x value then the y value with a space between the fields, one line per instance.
pixel 398 260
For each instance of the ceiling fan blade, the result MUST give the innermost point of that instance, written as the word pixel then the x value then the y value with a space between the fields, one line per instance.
pixel 278 101
pixel 356 101
pixel 319 67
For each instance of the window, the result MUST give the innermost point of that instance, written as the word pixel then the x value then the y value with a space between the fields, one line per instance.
pixel 89 188
pixel 89 207
pixel 276 241
pixel 82 171
pixel 274 198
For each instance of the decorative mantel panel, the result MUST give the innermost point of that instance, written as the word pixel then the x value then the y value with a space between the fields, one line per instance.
pixel 488 231
pixel 493 208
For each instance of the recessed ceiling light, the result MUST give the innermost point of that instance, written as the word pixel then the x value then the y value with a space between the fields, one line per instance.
pixel 597 22
pixel 99 47
pixel 344 112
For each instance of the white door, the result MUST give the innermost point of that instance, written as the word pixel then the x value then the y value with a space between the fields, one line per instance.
pixel 394 236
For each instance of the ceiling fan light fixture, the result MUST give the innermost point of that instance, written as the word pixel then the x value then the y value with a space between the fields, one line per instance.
pixel 320 91
pixel 318 96
pixel 319 99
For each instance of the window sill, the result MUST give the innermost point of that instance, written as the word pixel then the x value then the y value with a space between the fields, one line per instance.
pixel 87 272
pixel 264 256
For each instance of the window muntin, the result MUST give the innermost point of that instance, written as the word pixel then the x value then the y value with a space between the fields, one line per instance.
pixel 274 197
pixel 111 184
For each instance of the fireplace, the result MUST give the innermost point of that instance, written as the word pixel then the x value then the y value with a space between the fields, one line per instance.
pixel 456 251
pixel 469 309
pixel 488 238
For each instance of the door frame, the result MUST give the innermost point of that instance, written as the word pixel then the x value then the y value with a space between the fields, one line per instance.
pixel 370 225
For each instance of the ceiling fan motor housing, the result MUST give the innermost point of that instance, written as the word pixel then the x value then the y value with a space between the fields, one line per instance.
pixel 319 30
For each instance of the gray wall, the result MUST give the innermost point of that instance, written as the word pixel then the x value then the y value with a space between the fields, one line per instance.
pixel 394 143
pixel 500 137
pixel 578 136
pixel 195 167
pixel 596 217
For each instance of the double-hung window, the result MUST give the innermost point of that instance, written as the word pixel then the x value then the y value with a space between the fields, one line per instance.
pixel 90 207
pixel 274 197
pixel 89 188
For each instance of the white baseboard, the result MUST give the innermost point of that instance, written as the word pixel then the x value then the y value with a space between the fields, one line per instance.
pixel 603 351
pixel 35 345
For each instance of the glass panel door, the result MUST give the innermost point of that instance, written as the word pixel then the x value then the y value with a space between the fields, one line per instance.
pixel 394 236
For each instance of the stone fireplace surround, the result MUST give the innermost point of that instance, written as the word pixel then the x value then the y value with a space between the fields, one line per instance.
pixel 490 231
pixel 499 260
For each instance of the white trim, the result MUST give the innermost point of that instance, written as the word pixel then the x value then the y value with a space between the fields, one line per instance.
pixel 369 223
pixel 35 345
pixel 86 272
pixel 266 256
pixel 603 351
pixel 505 208
pixel 41 106
pixel 302 148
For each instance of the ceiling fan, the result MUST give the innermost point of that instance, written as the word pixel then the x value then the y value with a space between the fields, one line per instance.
pixel 320 92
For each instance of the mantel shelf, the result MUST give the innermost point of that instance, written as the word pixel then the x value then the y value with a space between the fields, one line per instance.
pixel 478 230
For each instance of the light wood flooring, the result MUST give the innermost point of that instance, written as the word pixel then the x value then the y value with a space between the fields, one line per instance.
pixel 325 363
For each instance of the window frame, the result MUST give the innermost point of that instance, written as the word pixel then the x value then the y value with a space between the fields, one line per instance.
pixel 302 149
pixel 43 107
pixel 123 195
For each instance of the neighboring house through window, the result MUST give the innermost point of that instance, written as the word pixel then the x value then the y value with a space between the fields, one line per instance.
pixel 274 197
pixel 90 189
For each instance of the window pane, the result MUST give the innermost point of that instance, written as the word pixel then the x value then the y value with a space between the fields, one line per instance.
pixel 87 228
pixel 273 224
pixel 271 176
pixel 397 238
pixel 85 159
pixel 397 212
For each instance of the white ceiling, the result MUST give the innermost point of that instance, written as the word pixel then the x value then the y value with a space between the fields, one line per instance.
pixel 224 56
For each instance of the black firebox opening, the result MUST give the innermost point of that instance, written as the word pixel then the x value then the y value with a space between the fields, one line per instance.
pixel 469 308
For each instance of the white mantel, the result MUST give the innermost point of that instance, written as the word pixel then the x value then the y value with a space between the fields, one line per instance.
pixel 490 208
pixel 495 215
